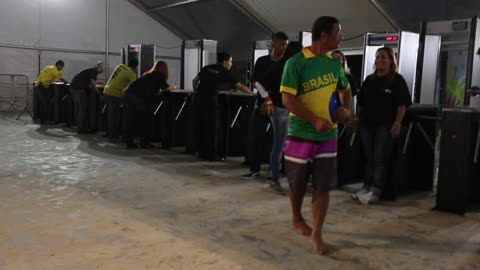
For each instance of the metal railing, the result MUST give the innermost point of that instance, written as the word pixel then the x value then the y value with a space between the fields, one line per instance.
pixel 18 103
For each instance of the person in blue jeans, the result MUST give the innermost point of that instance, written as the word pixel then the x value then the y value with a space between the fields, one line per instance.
pixel 382 102
pixel 269 89
pixel 259 139
pixel 119 81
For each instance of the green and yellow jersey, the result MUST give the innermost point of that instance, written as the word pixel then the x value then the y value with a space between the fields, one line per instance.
pixel 313 80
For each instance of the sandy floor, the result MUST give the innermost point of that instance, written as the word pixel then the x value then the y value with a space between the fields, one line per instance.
pixel 70 202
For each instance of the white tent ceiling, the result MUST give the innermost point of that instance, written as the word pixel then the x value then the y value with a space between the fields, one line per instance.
pixel 356 16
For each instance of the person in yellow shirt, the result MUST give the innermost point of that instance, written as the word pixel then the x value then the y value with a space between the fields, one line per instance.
pixel 46 78
pixel 121 78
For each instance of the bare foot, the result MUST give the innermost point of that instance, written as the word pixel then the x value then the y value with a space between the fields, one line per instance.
pixel 319 246
pixel 301 227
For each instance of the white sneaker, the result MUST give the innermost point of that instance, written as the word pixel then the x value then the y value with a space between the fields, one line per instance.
pixel 355 196
pixel 368 198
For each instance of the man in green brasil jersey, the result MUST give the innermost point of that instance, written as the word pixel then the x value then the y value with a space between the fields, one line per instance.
pixel 312 83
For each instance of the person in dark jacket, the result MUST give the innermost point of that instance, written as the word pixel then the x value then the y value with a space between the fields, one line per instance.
pixel 139 107
pixel 382 102
pixel 259 137
pixel 84 93
pixel 269 90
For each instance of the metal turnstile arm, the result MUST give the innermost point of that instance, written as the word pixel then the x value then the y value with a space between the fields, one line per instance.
pixel 158 108
pixel 236 116
pixel 181 110
pixel 104 109
pixel 426 136
pixel 352 140
pixel 477 148
pixel 407 140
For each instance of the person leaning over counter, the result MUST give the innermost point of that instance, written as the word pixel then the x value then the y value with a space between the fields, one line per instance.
pixel 84 90
pixel 47 76
pixel 139 106
pixel 211 80
pixel 121 78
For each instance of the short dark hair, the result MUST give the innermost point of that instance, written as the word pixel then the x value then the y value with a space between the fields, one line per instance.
pixel 323 24
pixel 133 63
pixel 223 56
pixel 293 48
pixel 60 63
pixel 279 36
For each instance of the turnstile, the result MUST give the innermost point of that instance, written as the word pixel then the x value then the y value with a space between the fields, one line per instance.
pixel 229 119
pixel 63 107
pixel 237 109
pixel 176 125
pixel 195 55
pixel 413 160
pixel 61 104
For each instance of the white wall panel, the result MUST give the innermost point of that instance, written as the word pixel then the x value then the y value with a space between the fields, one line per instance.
pixel 76 25
pixel 73 24
pixel 20 22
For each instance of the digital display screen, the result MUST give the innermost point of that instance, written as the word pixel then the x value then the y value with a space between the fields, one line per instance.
pixel 134 48
pixel 383 39
pixel 459 26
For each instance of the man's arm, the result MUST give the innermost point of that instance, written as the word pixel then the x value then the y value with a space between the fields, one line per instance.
pixel 342 113
pixel 346 98
pixel 261 90
pixel 243 88
pixel 93 85
pixel 195 82
pixel 291 103
pixel 397 125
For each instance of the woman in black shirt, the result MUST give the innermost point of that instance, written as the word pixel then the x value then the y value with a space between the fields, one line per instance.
pixel 207 84
pixel 382 102
pixel 138 102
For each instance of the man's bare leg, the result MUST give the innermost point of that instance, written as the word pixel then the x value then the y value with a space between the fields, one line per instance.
pixel 320 201
pixel 299 224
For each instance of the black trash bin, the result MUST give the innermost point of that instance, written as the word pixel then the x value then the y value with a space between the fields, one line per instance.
pixel 459 168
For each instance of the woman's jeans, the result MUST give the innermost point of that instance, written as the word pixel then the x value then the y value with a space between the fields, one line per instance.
pixel 377 145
